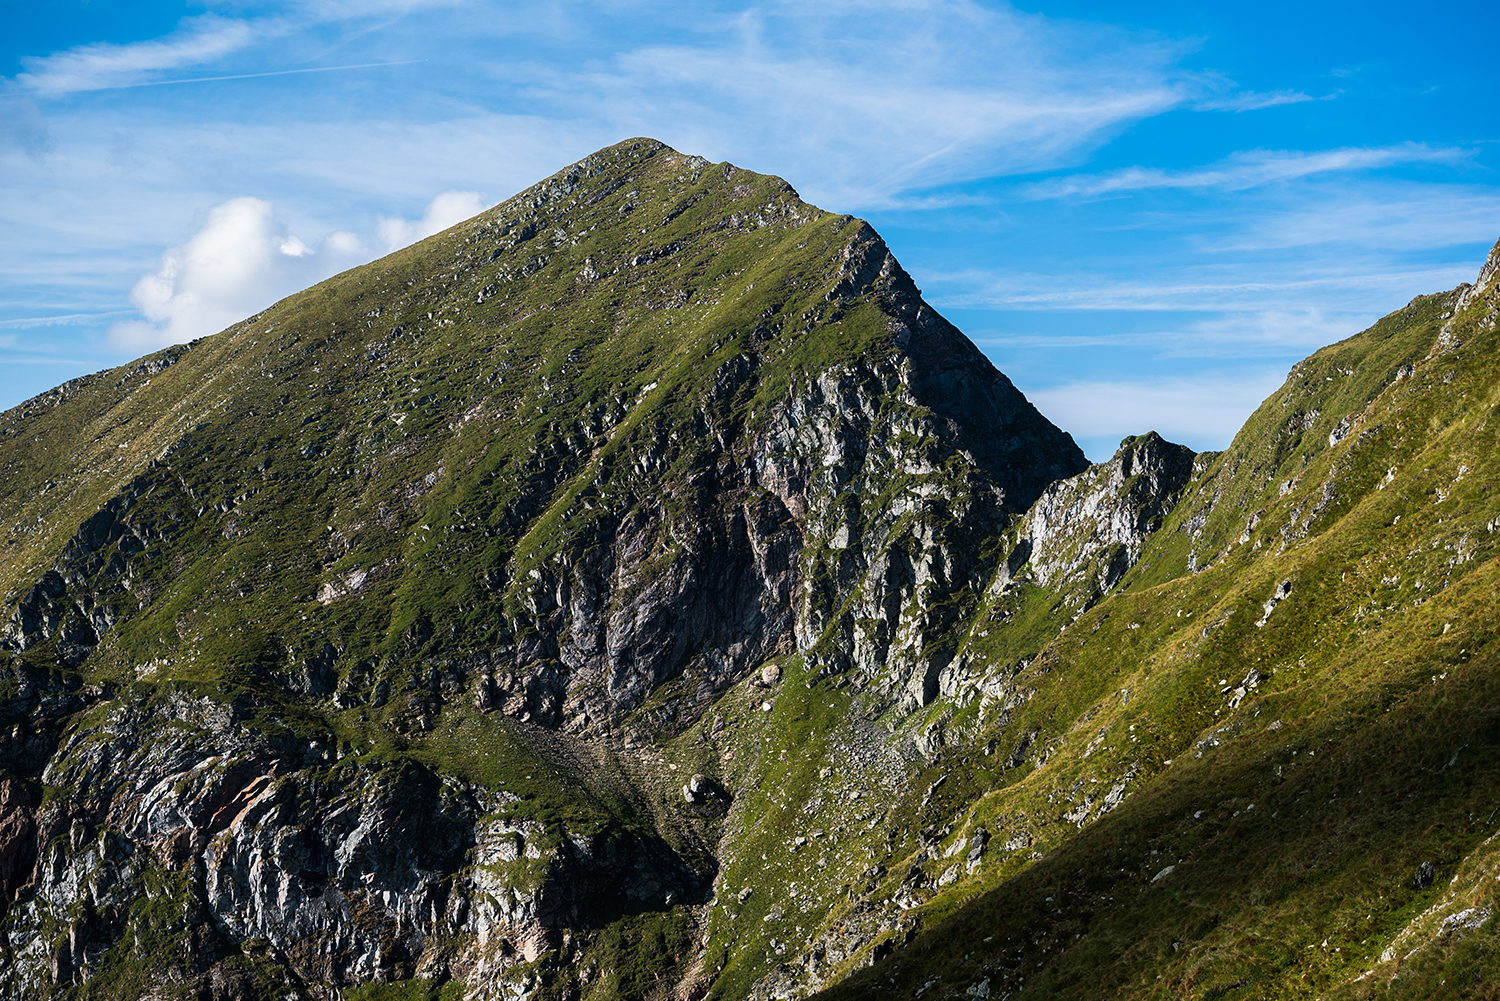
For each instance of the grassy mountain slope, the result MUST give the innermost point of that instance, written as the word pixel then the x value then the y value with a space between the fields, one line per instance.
pixel 372 404
pixel 1309 652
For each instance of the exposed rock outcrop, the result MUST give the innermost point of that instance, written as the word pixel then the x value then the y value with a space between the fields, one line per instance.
pixel 1086 531
pixel 347 868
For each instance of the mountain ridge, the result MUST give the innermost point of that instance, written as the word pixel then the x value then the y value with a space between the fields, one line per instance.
pixel 639 584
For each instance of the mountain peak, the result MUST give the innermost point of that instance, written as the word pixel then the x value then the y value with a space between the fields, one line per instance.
pixel 618 332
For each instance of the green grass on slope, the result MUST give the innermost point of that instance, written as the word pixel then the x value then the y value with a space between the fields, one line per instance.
pixel 400 422
pixel 1285 436
pixel 637 956
pixel 1269 834
pixel 405 990
pixel 1304 822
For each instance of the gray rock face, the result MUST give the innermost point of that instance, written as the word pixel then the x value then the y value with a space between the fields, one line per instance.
pixel 1088 530
pixel 890 531
pixel 865 459
pixel 347 869
pixel 1483 295
pixel 1484 284
pixel 698 789
pixel 875 480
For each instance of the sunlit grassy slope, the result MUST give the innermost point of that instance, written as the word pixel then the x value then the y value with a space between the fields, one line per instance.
pixel 1301 680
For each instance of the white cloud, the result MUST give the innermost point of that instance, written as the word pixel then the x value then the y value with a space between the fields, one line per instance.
pixel 240 261
pixel 344 244
pixel 447 209
pixel 1374 215
pixel 1201 412
pixel 1244 170
pixel 102 65
pixel 1187 334
pixel 243 259
pixel 1292 328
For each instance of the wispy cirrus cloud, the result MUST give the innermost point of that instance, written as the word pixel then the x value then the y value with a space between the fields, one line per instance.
pixel 22 126
pixel 874 99
pixel 338 10
pixel 65 320
pixel 258 76
pixel 1199 292
pixel 1244 170
pixel 1250 100
pixel 1192 334
pixel 198 40
pixel 1372 214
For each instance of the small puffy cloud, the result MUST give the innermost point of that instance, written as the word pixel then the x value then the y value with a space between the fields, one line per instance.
pixel 243 259
pixel 447 209
pixel 344 245
pixel 102 65
pixel 239 262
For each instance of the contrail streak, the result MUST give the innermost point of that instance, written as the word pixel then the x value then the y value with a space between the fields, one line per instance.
pixel 251 76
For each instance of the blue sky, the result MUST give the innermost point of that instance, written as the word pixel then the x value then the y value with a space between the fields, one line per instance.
pixel 1143 213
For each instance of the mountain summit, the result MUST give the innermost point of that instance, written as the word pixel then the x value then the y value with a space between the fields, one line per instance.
pixel 454 536
pixel 639 591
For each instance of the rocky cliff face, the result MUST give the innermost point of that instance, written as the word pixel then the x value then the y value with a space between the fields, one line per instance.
pixel 340 868
pixel 1086 531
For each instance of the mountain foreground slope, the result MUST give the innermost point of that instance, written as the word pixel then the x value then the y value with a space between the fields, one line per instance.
pixel 638 591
